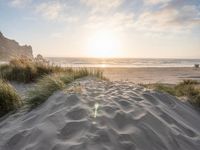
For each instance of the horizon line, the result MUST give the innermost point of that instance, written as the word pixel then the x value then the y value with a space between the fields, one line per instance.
pixel 117 57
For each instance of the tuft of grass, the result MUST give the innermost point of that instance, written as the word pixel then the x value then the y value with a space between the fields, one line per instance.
pixel 80 72
pixel 9 99
pixel 187 88
pixel 44 88
pixel 161 87
pixel 196 100
pixel 49 84
pixel 189 82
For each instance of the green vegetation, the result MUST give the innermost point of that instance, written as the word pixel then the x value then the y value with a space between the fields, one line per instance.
pixel 187 88
pixel 48 79
pixel 43 89
pixel 9 99
pixel 47 85
pixel 27 70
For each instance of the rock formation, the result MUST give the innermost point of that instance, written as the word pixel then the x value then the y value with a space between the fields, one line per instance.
pixel 11 49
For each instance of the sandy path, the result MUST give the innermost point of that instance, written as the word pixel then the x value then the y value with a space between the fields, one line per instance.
pixel 127 118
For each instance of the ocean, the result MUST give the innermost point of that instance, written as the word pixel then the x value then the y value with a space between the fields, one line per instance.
pixel 122 62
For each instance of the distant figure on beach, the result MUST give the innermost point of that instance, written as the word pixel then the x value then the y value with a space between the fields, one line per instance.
pixel 196 66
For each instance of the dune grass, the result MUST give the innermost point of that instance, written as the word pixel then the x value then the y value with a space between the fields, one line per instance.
pixel 47 85
pixel 9 99
pixel 43 89
pixel 28 70
pixel 48 79
pixel 187 88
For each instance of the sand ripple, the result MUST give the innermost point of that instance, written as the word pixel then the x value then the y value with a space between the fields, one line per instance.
pixel 128 117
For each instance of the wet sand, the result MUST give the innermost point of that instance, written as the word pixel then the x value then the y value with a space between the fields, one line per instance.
pixel 152 75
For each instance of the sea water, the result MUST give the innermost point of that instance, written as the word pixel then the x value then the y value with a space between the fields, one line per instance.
pixel 122 62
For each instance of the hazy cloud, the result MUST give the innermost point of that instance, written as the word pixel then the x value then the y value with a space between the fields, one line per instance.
pixel 56 10
pixel 155 15
pixel 156 1
pixel 49 10
pixel 172 16
pixel 102 5
pixel 19 3
pixel 117 21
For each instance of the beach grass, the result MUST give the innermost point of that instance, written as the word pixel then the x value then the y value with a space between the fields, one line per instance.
pixel 44 88
pixel 47 78
pixel 9 99
pixel 49 84
pixel 28 70
pixel 187 88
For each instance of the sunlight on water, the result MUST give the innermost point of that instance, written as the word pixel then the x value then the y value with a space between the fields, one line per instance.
pixel 103 65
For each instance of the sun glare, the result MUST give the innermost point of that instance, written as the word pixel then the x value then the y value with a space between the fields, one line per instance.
pixel 103 44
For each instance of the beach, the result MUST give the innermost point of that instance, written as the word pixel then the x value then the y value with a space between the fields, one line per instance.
pixel 57 108
pixel 103 115
pixel 146 75
pixel 138 70
pixel 100 75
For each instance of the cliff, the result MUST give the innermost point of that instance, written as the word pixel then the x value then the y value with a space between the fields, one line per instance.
pixel 11 49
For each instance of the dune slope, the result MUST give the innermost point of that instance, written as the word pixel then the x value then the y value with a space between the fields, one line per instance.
pixel 101 115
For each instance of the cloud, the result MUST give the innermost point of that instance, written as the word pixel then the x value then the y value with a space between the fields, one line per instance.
pixel 116 21
pixel 19 3
pixel 162 18
pixel 49 10
pixel 187 15
pixel 105 14
pixel 153 15
pixel 55 10
pixel 102 5
pixel 168 18
pixel 156 1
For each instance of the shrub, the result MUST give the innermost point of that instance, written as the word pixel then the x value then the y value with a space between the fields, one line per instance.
pixel 9 99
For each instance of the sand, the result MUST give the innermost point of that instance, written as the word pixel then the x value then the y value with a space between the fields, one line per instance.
pixel 101 115
pixel 169 75
pixel 21 88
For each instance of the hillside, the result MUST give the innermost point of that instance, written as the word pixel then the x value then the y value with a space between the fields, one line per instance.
pixel 10 49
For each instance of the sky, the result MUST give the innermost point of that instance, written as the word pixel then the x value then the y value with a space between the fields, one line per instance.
pixel 104 28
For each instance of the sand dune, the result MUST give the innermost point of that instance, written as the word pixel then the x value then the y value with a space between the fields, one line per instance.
pixel 104 115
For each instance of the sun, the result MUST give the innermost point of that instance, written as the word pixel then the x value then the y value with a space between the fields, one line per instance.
pixel 103 44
